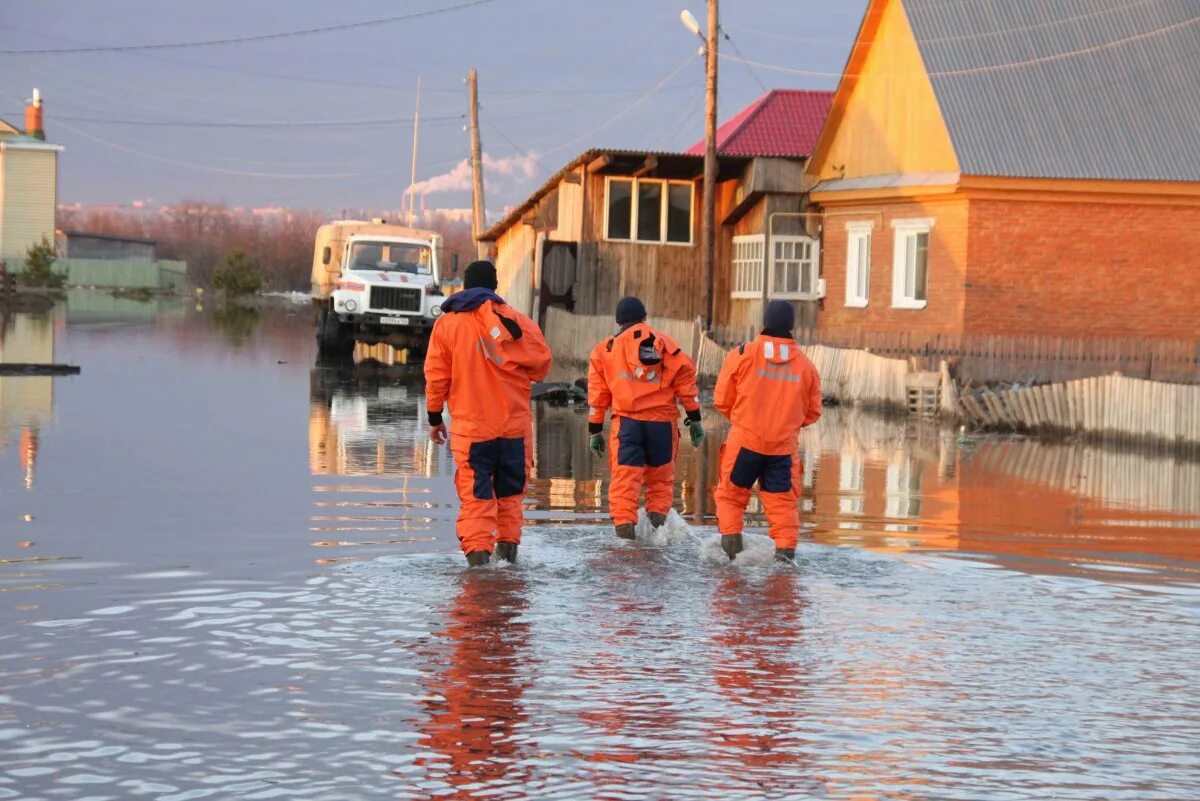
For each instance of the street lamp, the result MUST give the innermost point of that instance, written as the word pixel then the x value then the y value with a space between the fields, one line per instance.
pixel 708 240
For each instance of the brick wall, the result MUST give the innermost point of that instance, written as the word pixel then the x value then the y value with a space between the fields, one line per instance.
pixel 1083 269
pixel 947 268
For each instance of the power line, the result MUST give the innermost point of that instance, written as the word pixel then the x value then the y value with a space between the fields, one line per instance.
pixel 223 170
pixel 653 91
pixel 1083 51
pixel 246 39
pixel 749 68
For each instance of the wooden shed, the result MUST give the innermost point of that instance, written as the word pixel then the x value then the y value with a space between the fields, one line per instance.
pixel 612 223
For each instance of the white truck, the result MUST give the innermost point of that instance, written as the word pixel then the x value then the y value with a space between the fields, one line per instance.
pixel 373 282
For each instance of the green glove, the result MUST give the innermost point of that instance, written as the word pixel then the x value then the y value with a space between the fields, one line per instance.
pixel 596 444
pixel 696 432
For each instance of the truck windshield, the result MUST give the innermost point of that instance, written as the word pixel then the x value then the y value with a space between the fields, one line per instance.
pixel 391 257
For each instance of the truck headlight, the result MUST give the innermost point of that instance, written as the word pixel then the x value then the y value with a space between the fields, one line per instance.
pixel 435 311
pixel 351 305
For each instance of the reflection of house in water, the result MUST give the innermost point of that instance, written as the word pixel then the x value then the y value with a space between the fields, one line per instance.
pixel 86 307
pixel 26 402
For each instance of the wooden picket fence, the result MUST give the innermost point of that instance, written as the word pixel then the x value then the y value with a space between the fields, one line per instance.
pixel 1113 407
pixel 855 377
pixel 983 359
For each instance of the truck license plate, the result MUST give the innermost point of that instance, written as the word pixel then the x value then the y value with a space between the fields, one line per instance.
pixel 394 321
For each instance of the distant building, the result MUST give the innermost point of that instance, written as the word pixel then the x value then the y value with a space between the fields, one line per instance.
pixel 84 245
pixel 28 185
pixel 620 222
pixel 1014 168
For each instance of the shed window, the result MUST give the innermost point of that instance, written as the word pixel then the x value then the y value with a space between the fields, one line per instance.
pixel 649 211
pixel 910 263
pixel 748 266
pixel 646 210
pixel 858 263
pixel 620 209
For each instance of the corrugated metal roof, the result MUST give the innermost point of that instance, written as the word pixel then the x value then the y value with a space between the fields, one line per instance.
pixel 1094 89
pixel 783 122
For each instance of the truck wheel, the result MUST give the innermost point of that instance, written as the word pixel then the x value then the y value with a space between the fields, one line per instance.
pixel 334 338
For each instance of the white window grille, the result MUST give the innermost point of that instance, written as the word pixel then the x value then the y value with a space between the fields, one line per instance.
pixel 748 266
pixel 903 488
pixel 858 263
pixel 649 210
pixel 910 263
pixel 795 271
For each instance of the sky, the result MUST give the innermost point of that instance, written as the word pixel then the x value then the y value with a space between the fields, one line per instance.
pixel 324 120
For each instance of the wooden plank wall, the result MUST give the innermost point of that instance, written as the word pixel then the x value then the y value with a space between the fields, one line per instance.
pixel 981 359
pixel 1115 408
pixel 850 376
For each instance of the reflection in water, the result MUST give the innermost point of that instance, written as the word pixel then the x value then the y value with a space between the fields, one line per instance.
pixel 237 323
pixel 165 633
pixel 474 703
pixel 26 402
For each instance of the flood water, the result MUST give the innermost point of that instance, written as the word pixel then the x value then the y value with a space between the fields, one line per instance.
pixel 228 573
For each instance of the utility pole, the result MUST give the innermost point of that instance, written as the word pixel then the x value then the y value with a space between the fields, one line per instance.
pixel 478 221
pixel 412 199
pixel 708 238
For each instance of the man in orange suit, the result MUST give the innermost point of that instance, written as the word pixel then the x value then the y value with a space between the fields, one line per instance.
pixel 483 358
pixel 769 390
pixel 641 375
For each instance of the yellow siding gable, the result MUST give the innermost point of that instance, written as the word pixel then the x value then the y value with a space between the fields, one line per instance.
pixel 885 118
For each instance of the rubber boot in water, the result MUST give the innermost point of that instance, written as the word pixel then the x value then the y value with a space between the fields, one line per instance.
pixel 657 519
pixel 477 558
pixel 732 545
pixel 625 531
pixel 506 551
pixel 785 555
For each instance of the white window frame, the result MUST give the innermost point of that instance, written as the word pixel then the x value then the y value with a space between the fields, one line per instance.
pixel 633 210
pixel 903 231
pixel 859 236
pixel 814 261
pixel 746 273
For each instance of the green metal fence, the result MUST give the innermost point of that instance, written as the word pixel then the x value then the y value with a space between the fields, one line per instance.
pixel 117 274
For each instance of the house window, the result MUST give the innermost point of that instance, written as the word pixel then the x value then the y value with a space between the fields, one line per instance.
pixel 794 273
pixel 910 263
pixel 858 263
pixel 748 266
pixel 646 210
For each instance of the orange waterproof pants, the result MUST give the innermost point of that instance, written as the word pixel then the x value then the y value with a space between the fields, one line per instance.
pixel 778 479
pixel 491 477
pixel 641 453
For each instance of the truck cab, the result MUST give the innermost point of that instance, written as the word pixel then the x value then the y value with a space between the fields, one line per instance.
pixel 376 283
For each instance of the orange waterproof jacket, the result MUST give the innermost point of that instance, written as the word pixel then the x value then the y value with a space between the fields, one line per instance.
pixel 483 356
pixel 621 377
pixel 769 390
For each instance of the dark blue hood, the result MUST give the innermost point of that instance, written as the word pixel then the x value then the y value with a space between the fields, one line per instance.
pixel 470 299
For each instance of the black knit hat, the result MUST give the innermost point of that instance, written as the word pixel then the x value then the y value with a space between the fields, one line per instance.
pixel 480 274
pixel 779 316
pixel 630 310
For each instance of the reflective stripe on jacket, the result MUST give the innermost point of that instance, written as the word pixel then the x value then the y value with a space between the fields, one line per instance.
pixel 482 359
pixel 769 390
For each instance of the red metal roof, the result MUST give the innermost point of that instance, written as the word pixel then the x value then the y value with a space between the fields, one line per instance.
pixel 783 122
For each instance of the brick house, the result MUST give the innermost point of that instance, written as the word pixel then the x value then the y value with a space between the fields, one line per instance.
pixel 617 222
pixel 1001 168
